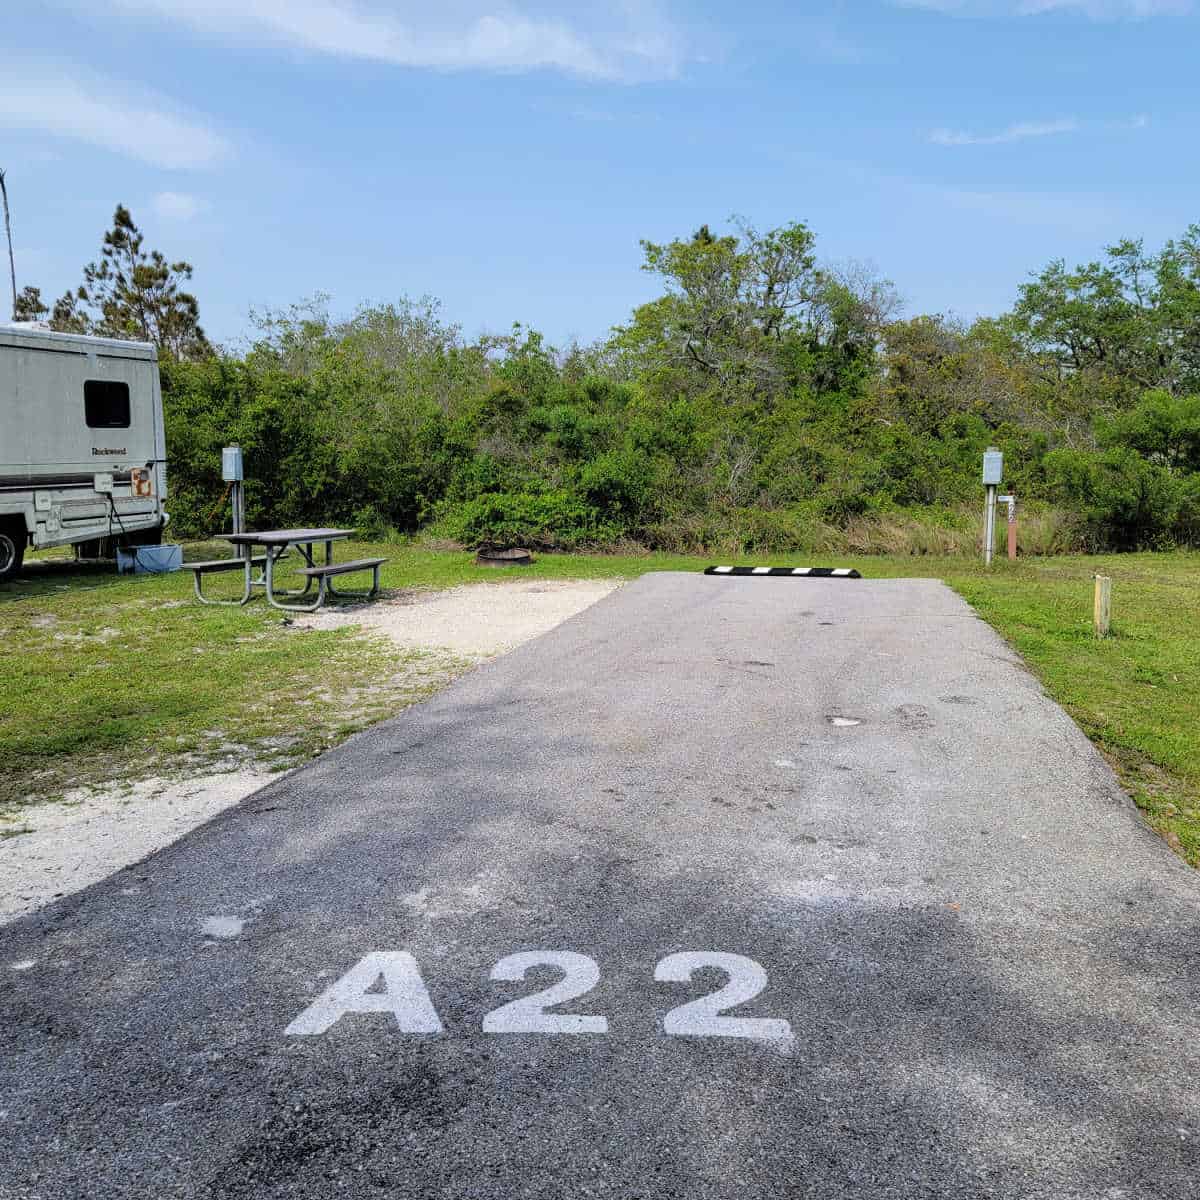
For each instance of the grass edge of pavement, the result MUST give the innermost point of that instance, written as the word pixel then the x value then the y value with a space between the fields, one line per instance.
pixel 1105 687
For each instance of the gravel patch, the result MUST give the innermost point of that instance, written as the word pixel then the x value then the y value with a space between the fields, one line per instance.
pixel 54 849
pixel 77 841
pixel 476 621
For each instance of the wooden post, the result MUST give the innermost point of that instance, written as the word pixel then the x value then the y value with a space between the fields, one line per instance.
pixel 1102 608
pixel 1012 529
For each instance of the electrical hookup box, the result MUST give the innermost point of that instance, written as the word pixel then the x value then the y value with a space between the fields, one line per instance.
pixel 231 464
pixel 993 467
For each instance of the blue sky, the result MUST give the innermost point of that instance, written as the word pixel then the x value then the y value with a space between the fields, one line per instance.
pixel 507 157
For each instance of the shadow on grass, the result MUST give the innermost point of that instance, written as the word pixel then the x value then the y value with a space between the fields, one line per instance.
pixel 49 576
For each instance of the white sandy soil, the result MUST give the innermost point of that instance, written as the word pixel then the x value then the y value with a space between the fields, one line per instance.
pixel 84 838
pixel 476 621
pixel 93 832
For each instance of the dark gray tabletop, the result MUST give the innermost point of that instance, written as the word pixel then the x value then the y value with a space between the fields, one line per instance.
pixel 283 537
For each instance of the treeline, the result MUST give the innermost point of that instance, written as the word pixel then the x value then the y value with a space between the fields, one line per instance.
pixel 762 402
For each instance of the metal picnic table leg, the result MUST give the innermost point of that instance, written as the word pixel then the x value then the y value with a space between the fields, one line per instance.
pixel 306 553
pixel 246 587
pixel 326 581
pixel 310 558
pixel 275 553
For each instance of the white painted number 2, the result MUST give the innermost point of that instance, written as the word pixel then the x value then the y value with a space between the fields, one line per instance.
pixel 529 1015
pixel 390 982
pixel 702 1018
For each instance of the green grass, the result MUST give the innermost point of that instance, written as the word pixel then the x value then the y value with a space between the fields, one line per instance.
pixel 1134 693
pixel 104 677
pixel 107 678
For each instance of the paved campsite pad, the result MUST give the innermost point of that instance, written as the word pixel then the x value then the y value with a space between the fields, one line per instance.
pixel 989 967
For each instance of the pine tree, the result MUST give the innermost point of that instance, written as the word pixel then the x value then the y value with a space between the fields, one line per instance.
pixel 29 306
pixel 132 293
pixel 67 317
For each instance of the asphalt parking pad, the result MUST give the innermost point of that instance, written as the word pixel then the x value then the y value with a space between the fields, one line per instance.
pixel 829 899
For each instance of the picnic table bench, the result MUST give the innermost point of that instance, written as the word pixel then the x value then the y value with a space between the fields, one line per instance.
pixel 215 566
pixel 275 543
pixel 323 574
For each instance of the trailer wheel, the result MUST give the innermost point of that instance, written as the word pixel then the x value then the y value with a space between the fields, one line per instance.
pixel 12 551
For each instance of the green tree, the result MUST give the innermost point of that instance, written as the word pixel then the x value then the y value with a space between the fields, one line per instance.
pixel 1162 428
pixel 750 315
pixel 1177 301
pixel 68 317
pixel 134 293
pixel 1083 319
pixel 29 305
pixel 1123 325
pixel 935 367
pixel 730 301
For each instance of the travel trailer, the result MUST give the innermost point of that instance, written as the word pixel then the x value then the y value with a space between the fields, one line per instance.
pixel 82 449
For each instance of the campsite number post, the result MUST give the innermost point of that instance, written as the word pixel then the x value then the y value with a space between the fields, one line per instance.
pixel 1010 502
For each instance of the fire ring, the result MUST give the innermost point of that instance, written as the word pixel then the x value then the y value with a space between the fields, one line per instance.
pixel 503 558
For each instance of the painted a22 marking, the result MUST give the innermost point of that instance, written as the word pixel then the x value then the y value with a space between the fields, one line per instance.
pixel 404 995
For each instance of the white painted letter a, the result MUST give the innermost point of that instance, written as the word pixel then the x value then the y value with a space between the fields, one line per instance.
pixel 404 995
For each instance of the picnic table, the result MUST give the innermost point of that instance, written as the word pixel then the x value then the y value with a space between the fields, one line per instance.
pixel 274 544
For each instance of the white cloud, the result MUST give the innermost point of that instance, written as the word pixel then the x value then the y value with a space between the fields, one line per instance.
pixel 177 206
pixel 1023 130
pixel 1109 10
pixel 631 41
pixel 1014 133
pixel 1097 10
pixel 60 100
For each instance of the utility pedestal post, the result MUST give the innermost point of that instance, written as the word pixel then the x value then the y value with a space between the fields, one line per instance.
pixel 993 469
pixel 232 474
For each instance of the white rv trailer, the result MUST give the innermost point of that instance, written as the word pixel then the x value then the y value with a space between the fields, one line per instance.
pixel 82 449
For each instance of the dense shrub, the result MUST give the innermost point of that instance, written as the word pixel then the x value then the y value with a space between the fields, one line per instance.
pixel 549 521
pixel 759 405
pixel 1164 429
pixel 588 463
pixel 1126 502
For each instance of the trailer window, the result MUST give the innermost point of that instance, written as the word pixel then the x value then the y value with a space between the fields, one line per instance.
pixel 106 404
